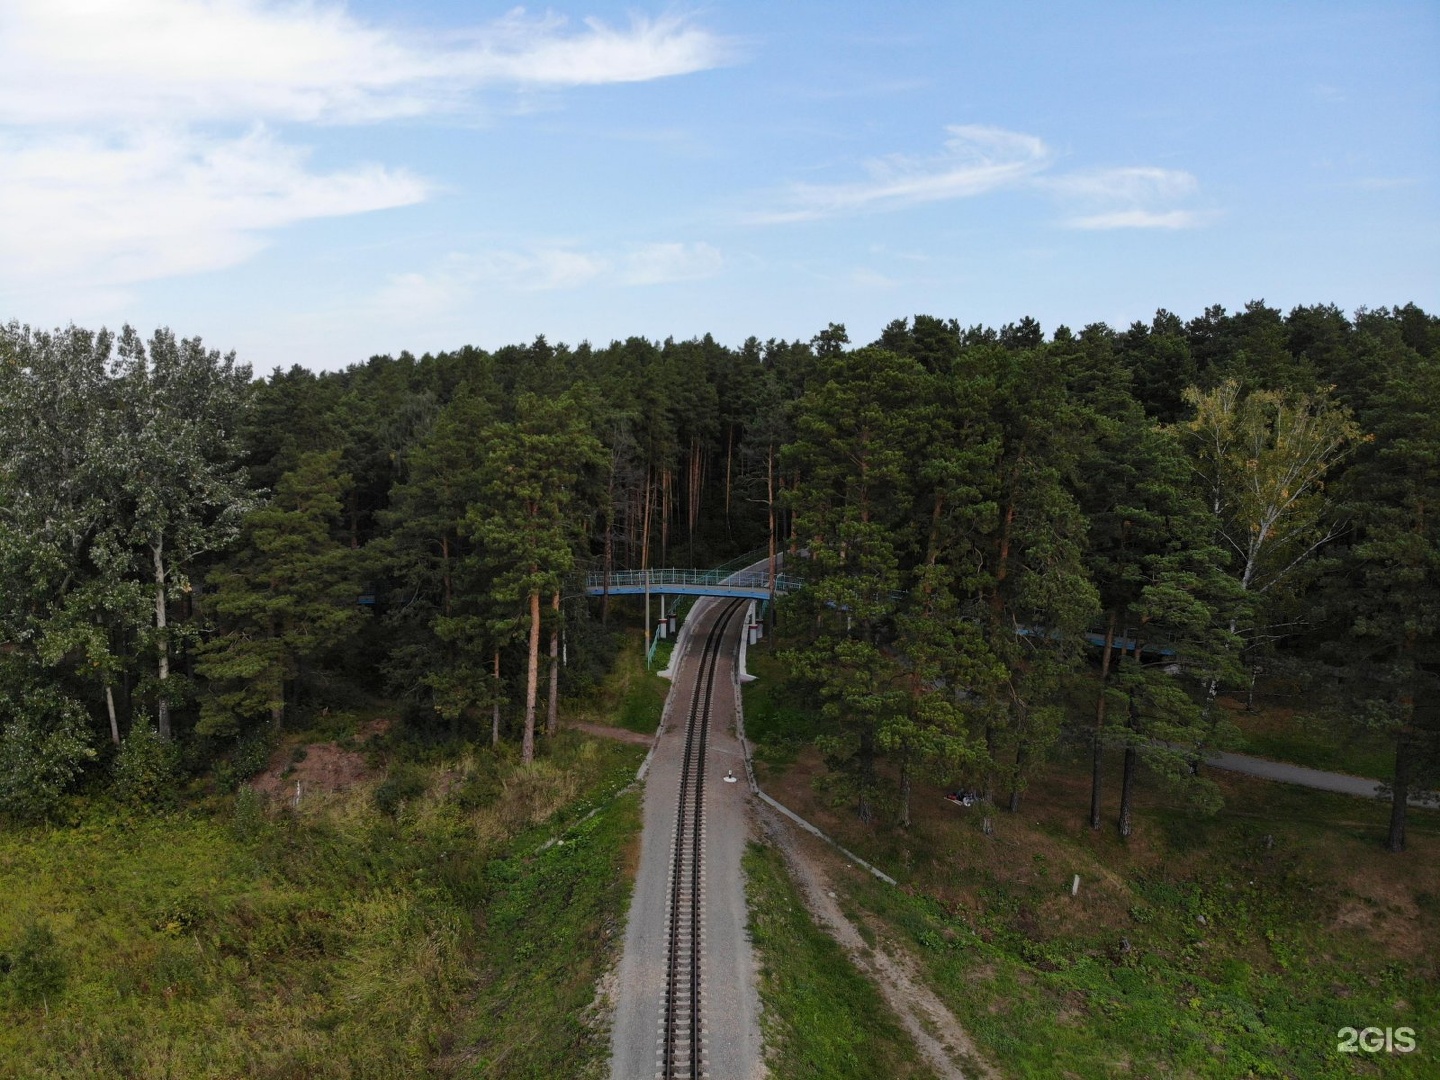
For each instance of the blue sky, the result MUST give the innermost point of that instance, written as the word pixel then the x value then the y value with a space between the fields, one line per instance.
pixel 313 183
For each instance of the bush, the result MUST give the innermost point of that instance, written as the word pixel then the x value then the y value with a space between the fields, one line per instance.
pixel 42 750
pixel 249 819
pixel 249 758
pixel 35 971
pixel 404 783
pixel 147 769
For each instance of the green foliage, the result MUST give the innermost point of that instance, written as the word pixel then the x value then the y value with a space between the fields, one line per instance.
pixel 33 970
pixel 405 783
pixel 147 770
pixel 287 599
pixel 43 747
pixel 249 757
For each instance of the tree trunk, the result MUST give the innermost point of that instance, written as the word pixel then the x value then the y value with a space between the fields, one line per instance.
pixel 905 790
pixel 867 778
pixel 1127 789
pixel 1097 749
pixel 110 708
pixel 445 570
pixel 729 455
pixel 664 516
pixel 552 703
pixel 1021 757
pixel 1399 796
pixel 609 565
pixel 645 556
pixel 770 503
pixel 532 681
pixel 162 704
pixel 991 749
pixel 495 705
pixel 609 538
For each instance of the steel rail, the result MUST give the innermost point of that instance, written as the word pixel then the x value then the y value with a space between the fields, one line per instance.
pixel 681 1052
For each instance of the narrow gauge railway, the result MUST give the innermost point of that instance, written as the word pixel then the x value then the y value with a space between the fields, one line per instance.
pixel 681 1050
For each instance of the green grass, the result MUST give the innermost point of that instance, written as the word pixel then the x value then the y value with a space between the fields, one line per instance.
pixel 551 920
pixel 1315 745
pixel 776 721
pixel 629 697
pixel 821 1017
pixel 340 941
pixel 1233 946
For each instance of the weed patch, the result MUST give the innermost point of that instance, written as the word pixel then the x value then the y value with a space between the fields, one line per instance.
pixel 822 1018
pixel 335 940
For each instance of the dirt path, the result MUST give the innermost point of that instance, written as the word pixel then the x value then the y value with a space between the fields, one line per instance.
pixel 619 734
pixel 1343 783
pixel 943 1043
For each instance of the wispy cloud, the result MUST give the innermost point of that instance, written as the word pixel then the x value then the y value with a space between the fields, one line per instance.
pixel 158 203
pixel 193 60
pixel 460 278
pixel 1126 198
pixel 976 160
pixel 1382 183
pixel 660 264
pixel 1137 219
pixel 1130 185
pixel 137 139
pixel 982 160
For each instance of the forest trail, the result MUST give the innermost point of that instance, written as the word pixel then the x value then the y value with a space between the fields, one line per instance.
pixel 1319 780
pixel 937 1035
pixel 728 995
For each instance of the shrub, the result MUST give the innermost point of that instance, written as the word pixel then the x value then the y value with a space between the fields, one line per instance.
pixel 42 750
pixel 249 818
pixel 405 782
pixel 35 970
pixel 249 758
pixel 146 771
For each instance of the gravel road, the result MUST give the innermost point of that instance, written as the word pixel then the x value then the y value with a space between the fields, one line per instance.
pixel 1342 783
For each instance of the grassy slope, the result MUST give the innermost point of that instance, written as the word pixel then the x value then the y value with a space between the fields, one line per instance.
pixel 337 942
pixel 1280 732
pixel 1308 926
pixel 630 697
pixel 822 1019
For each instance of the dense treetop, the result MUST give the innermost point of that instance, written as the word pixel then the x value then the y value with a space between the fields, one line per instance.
pixel 996 525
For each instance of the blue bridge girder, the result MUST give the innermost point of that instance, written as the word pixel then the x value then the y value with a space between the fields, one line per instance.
pixel 754 584
pixel 750 584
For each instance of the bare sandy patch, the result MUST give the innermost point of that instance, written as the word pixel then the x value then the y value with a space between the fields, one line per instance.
pixel 942 1042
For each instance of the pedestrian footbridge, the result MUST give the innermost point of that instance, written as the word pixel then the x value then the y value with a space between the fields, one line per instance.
pixel 753 583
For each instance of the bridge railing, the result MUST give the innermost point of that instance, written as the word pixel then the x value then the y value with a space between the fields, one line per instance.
pixel 720 578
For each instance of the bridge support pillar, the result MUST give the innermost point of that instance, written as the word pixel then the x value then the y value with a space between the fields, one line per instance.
pixel 741 675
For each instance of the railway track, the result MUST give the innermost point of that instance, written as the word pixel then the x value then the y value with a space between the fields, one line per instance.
pixel 681 1051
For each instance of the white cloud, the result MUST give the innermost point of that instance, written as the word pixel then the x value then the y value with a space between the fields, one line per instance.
pixel 1137 219
pixel 871 279
pixel 1126 198
pixel 461 280
pixel 121 158
pixel 200 60
pixel 1123 185
pixel 114 211
pixel 658 264
pixel 981 160
pixel 976 160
